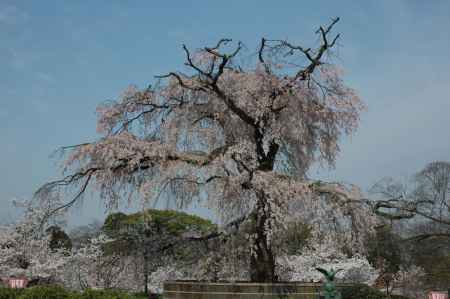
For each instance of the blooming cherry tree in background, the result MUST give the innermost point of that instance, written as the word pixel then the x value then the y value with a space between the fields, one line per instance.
pixel 236 132
pixel 91 266
pixel 324 253
pixel 25 251
pixel 161 275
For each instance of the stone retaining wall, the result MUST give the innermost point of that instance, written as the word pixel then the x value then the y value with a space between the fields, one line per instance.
pixel 240 290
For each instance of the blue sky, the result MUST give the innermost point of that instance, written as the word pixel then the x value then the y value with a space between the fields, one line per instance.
pixel 59 59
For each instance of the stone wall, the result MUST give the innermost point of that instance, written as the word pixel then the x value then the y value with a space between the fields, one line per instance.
pixel 240 290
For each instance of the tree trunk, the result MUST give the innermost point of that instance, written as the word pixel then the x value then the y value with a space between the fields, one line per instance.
pixel 146 270
pixel 262 261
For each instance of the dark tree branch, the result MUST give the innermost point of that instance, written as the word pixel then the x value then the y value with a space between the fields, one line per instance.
pixel 181 82
pixel 261 55
pixel 129 121
pixel 70 203
pixel 221 42
pixel 405 210
pixel 314 59
pixel 212 79
pixel 423 237
pixel 235 224
pixel 61 150
pixel 191 64
pixel 225 59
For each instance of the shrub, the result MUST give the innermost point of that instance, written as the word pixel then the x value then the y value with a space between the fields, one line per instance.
pixel 105 294
pixel 361 291
pixel 142 295
pixel 7 293
pixel 57 292
pixel 45 292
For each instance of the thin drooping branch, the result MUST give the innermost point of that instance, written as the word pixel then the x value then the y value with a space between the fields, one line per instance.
pixel 336 190
pixel 69 147
pixel 184 180
pixel 67 181
pixel 129 121
pixel 222 233
pixel 195 159
pixel 67 205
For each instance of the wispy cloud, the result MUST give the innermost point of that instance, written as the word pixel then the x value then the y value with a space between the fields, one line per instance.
pixel 18 61
pixel 12 15
pixel 46 77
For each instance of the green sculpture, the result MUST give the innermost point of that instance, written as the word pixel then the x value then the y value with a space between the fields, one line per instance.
pixel 329 288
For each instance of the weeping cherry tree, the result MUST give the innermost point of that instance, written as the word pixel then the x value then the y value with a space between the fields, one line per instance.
pixel 236 131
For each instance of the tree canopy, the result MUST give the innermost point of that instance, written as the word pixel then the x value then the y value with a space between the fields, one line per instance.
pixel 59 238
pixel 175 222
